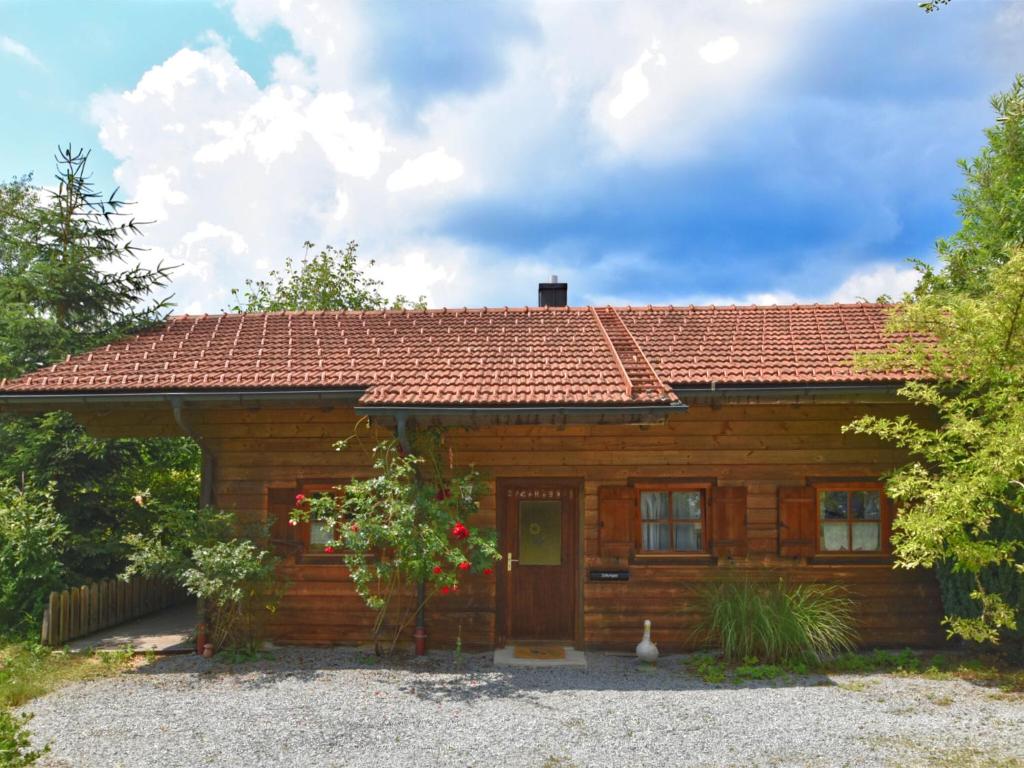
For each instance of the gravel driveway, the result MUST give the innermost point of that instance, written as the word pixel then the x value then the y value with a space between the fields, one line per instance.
pixel 338 707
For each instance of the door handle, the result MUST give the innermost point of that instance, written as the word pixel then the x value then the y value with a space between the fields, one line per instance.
pixel 509 559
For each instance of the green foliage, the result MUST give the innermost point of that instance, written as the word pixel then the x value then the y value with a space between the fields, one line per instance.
pixel 200 550
pixel 905 661
pixel 960 495
pixel 962 332
pixel 711 669
pixel 32 542
pixel 930 6
pixel 399 529
pixel 96 484
pixel 774 622
pixel 990 205
pixel 69 281
pixel 61 289
pixel 15 742
pixel 330 279
pixel 29 670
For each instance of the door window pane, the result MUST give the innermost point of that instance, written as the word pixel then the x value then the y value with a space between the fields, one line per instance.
pixel 686 505
pixel 833 505
pixel 540 532
pixel 654 505
pixel 866 505
pixel 866 537
pixel 834 537
pixel 688 537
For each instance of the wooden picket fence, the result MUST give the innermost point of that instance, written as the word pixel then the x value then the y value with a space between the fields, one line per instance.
pixel 80 611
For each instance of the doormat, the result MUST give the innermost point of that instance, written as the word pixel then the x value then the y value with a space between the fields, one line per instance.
pixel 545 652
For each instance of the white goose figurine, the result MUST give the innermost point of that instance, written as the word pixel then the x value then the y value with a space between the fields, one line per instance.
pixel 646 650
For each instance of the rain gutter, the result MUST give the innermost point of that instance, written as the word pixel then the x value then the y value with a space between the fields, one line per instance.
pixel 61 399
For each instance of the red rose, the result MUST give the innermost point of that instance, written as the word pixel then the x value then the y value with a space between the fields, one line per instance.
pixel 299 498
pixel 464 565
pixel 328 549
pixel 355 527
pixel 488 571
pixel 437 569
pixel 459 531
pixel 445 590
pixel 443 493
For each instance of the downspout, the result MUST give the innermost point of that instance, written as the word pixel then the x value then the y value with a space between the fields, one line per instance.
pixel 419 634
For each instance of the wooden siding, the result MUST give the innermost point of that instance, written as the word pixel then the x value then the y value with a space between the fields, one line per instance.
pixel 760 446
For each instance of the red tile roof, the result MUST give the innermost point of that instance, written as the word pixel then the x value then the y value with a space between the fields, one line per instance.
pixel 529 356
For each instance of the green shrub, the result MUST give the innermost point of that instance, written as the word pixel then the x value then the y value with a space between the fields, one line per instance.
pixel 200 549
pixel 774 622
pixel 31 544
pixel 15 745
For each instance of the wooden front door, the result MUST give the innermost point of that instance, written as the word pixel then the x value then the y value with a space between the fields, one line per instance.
pixel 539 542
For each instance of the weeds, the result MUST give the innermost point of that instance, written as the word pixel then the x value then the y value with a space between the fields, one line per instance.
pixel 28 670
pixel 15 743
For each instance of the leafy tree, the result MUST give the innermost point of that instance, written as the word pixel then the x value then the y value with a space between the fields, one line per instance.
pixel 201 549
pixel 32 542
pixel 990 205
pixel 63 286
pixel 962 331
pixel 330 279
pixel 69 281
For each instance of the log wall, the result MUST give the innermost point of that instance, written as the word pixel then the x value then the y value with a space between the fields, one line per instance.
pixel 763 446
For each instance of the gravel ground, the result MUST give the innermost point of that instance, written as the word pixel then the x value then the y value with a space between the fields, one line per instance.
pixel 339 707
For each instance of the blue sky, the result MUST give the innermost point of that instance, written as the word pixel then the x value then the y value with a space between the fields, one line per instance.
pixel 686 152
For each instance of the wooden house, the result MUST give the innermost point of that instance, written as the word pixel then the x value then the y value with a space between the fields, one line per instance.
pixel 631 453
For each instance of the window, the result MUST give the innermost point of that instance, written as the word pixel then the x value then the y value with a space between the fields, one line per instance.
pixel 850 519
pixel 316 534
pixel 672 519
pixel 320 535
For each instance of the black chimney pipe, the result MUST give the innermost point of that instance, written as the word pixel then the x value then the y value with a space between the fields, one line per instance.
pixel 553 294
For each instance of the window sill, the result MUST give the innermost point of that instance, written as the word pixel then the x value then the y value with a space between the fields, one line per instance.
pixel 320 558
pixel 672 558
pixel 863 558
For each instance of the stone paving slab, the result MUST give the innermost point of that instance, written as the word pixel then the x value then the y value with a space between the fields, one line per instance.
pixel 168 631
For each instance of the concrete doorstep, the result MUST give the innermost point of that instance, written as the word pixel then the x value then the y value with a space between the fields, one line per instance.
pixel 506 657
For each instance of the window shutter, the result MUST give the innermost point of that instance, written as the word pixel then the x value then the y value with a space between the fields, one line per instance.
pixel 285 538
pixel 729 521
pixel 796 521
pixel 616 513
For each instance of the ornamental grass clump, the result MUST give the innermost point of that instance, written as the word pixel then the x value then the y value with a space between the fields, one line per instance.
pixel 776 623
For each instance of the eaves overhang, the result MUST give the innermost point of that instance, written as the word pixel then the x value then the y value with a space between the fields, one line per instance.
pixel 472 415
pixel 241 396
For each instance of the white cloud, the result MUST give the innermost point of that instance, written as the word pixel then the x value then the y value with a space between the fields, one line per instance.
pixel 635 87
pixel 865 284
pixel 437 167
pixel 20 50
pixel 238 173
pixel 876 280
pixel 207 231
pixel 155 192
pixel 719 50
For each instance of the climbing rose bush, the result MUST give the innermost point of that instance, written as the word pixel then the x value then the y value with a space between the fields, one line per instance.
pixel 404 526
